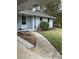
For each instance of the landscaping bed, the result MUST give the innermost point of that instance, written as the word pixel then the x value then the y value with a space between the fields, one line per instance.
pixel 54 37
pixel 28 36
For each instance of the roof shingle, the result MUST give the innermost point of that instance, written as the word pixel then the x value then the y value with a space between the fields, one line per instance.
pixel 31 13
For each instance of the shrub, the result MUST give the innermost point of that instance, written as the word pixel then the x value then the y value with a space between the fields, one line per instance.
pixel 44 25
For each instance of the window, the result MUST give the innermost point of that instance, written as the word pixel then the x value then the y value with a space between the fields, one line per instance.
pixel 23 20
pixel 40 18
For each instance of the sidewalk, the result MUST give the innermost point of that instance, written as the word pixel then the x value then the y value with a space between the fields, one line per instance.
pixel 44 48
pixel 24 53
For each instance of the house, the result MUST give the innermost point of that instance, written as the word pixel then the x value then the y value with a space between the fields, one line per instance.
pixel 29 20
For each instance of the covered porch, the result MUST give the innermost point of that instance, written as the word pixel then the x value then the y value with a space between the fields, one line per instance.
pixel 25 23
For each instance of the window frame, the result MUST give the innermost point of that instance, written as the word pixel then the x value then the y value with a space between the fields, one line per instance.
pixel 23 20
pixel 40 18
pixel 48 19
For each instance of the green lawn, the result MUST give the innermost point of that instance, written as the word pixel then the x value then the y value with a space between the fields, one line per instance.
pixel 55 37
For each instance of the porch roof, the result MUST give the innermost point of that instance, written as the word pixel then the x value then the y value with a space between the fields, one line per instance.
pixel 31 13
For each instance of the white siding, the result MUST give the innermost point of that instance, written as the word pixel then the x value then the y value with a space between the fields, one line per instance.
pixel 37 22
pixel 33 22
pixel 28 24
pixel 23 26
pixel 45 19
pixel 19 22
pixel 50 23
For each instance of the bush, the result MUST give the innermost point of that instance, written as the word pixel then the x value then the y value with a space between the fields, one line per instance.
pixel 44 25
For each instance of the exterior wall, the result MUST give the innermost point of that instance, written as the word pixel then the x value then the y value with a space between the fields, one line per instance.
pixel 45 19
pixel 28 24
pixel 32 22
pixel 37 22
pixel 19 20
pixel 50 23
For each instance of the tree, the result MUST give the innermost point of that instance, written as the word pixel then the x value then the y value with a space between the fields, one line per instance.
pixel 54 9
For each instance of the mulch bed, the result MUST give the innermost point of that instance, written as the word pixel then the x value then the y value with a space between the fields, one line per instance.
pixel 28 36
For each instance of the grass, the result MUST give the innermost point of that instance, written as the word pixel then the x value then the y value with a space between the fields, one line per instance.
pixel 54 37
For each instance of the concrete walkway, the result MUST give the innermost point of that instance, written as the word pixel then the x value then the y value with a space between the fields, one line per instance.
pixel 24 53
pixel 44 48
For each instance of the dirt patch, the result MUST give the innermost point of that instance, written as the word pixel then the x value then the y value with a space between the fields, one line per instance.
pixel 28 36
